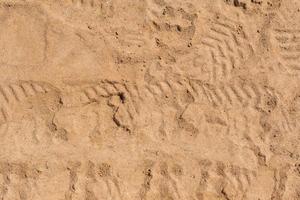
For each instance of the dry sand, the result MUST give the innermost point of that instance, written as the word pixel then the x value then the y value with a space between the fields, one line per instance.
pixel 150 99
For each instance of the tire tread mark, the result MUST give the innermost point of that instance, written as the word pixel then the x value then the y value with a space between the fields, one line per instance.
pixel 237 178
pixel 4 115
pixel 288 43
pixel 226 42
pixel 28 89
pixel 235 94
pixel 13 91
pixel 4 95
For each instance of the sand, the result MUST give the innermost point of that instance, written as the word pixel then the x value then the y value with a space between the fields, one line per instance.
pixel 149 100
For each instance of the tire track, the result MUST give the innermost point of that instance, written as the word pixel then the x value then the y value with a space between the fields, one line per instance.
pixel 125 110
pixel 106 89
pixel 228 44
pixel 16 93
pixel 179 93
pixel 232 181
pixel 90 4
pixel 237 93
pixel 288 43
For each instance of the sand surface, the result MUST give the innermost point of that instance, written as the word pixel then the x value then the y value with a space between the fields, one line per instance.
pixel 149 99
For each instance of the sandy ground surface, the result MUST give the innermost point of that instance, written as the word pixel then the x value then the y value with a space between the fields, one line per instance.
pixel 150 100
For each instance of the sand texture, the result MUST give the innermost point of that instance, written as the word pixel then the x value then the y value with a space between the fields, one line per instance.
pixel 149 99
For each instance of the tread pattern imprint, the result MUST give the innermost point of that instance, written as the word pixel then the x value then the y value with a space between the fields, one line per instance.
pixel 168 100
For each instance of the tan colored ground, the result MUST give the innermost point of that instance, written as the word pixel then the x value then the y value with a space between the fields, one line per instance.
pixel 150 100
